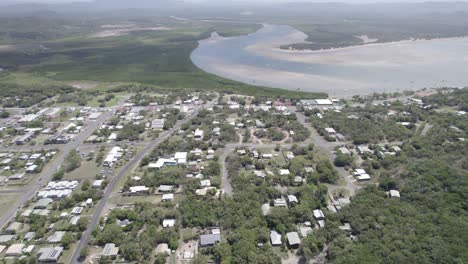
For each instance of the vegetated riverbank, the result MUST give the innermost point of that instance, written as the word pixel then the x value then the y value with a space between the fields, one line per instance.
pixel 159 60
pixel 365 41
pixel 336 33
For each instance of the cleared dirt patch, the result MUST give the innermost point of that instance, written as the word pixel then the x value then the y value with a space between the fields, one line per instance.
pixel 124 31
pixel 83 85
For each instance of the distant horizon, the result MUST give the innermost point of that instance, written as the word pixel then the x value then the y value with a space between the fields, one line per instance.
pixel 249 2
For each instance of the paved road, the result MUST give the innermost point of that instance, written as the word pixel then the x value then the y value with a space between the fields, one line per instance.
pixel 46 175
pixel 100 207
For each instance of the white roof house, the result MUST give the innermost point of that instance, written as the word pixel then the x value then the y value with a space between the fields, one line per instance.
pixel 289 155
pixel 169 222
pixel 259 173
pixel 77 210
pixel 292 199
pixel 161 162
pixel 394 193
pixel 112 136
pixel 50 254
pixel 205 183
pixel 293 239
pixel 15 250
pixel 43 203
pixel 284 172
pixel 56 237
pixel 180 157
pixel 29 236
pixel 265 209
pixel 344 150
pixel 330 131
pixel 363 149
pixel 61 185
pixel 280 202
pixel 275 238
pixel 97 183
pixel 323 102
pixel 6 238
pixel 318 214
pixel 396 148
pixel 157 123
pixel 305 230
pixel 165 188
pixel 167 197
pixel 321 223
pixel 361 175
pixel 74 220
pixel 198 135
pixel 110 250
pixel 28 118
pixel 94 116
pixel 31 169
pixel 163 248
pixel 138 189
pixel 114 155
pixel 13 227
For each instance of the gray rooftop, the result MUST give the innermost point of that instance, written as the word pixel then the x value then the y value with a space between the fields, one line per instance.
pixel 51 254
pixel 209 240
pixel 293 238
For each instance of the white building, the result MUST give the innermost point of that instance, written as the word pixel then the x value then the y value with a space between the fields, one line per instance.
pixel 198 135
pixel 275 238
pixel 113 156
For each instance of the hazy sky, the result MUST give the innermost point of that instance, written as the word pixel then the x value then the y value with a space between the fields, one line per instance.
pixel 248 1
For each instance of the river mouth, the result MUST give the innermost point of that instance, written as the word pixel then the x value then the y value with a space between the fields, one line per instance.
pixel 359 70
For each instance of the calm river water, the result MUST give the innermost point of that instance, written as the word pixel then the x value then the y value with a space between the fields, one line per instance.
pixel 407 65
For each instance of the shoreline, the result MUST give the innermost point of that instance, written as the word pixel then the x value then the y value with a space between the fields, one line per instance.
pixel 393 69
pixel 370 44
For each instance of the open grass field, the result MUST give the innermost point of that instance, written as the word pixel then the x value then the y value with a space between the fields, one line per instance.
pixel 87 170
pixel 7 200
pixel 119 199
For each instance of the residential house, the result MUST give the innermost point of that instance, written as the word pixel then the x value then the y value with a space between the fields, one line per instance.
pixel 280 202
pixel 275 238
pixel 14 250
pixel 167 197
pixel 198 135
pixel 293 239
pixel 50 254
pixel 110 250
pixel 210 240
pixel 158 124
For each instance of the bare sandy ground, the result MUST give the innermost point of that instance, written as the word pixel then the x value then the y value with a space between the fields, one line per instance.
pixel 83 85
pixel 371 54
pixel 289 80
pixel 21 47
pixel 365 39
pixel 7 48
pixel 117 30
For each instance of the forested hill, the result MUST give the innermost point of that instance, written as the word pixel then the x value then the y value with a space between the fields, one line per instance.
pixel 429 223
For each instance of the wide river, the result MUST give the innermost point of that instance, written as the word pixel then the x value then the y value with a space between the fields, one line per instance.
pixel 381 67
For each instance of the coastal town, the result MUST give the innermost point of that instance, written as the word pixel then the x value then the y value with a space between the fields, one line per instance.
pixel 172 178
